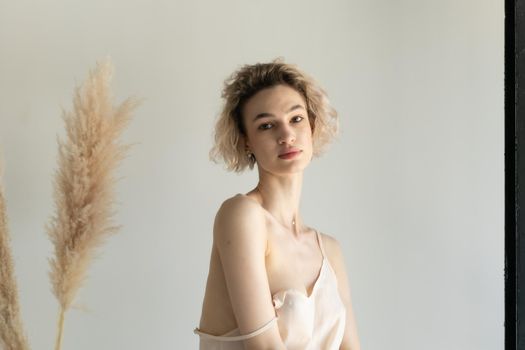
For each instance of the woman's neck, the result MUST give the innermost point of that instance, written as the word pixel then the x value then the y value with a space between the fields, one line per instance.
pixel 281 196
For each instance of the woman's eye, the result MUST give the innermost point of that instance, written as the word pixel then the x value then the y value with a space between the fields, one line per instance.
pixel 265 126
pixel 297 118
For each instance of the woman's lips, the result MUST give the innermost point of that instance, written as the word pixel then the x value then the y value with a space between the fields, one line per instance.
pixel 289 155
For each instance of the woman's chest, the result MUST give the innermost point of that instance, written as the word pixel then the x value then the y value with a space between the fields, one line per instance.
pixel 293 263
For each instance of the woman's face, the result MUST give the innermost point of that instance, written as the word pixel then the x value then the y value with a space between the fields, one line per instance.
pixel 276 123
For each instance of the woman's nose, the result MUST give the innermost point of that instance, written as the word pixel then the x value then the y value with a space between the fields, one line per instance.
pixel 287 135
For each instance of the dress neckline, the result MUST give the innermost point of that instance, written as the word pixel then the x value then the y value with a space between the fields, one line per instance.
pixel 314 288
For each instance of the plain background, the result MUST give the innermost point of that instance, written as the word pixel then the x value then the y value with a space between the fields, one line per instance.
pixel 412 188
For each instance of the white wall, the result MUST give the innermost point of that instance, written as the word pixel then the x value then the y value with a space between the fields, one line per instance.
pixel 413 188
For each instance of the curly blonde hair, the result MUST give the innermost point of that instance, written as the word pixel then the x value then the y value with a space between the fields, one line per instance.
pixel 246 82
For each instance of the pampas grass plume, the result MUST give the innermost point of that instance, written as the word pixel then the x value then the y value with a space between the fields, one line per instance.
pixel 84 181
pixel 12 335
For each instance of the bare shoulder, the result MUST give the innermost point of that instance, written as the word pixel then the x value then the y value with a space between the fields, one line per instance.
pixel 331 247
pixel 334 253
pixel 238 203
pixel 239 216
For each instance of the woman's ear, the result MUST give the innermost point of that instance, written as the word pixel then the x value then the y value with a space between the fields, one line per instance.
pixel 244 140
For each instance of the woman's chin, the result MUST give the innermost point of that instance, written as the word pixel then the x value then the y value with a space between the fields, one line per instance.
pixel 286 167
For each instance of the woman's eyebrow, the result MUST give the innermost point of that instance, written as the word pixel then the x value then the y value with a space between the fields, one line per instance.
pixel 265 114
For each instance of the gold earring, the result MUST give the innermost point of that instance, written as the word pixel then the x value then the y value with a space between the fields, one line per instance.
pixel 250 155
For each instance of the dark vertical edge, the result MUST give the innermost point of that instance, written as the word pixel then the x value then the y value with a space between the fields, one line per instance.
pixel 514 97
pixel 519 94
pixel 511 184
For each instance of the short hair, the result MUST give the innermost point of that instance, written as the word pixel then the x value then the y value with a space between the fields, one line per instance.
pixel 246 82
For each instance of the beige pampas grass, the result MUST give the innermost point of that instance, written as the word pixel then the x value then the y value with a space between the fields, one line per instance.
pixel 12 335
pixel 84 184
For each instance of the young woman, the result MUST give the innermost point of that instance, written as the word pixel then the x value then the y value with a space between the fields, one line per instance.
pixel 274 282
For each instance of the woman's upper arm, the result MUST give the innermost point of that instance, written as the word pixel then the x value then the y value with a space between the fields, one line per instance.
pixel 350 338
pixel 240 236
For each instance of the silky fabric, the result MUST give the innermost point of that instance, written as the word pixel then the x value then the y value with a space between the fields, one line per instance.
pixel 314 322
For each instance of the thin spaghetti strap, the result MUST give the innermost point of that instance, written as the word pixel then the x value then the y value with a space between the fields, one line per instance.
pixel 320 243
pixel 238 337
